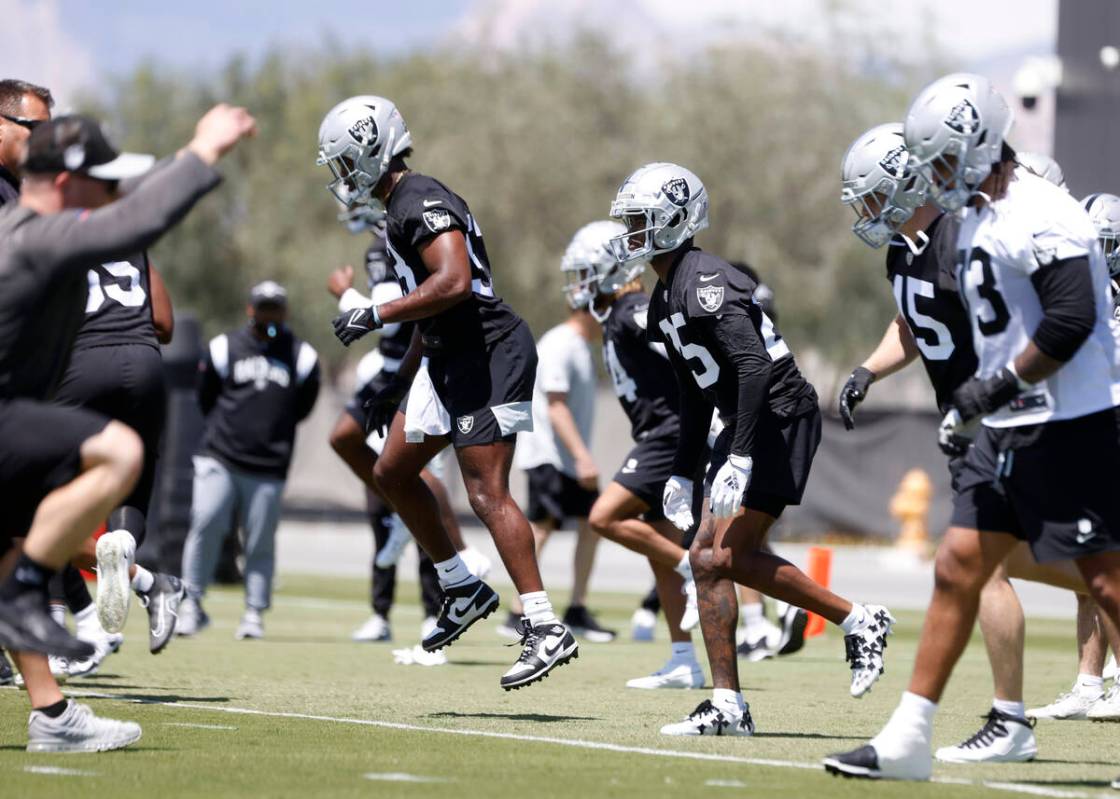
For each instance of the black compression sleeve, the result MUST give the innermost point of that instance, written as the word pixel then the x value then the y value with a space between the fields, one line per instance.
pixel 734 336
pixel 1065 289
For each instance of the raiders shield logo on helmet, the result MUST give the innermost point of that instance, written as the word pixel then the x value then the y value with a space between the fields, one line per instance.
pixel 893 162
pixel 364 131
pixel 710 297
pixel 437 220
pixel 465 424
pixel 964 118
pixel 676 190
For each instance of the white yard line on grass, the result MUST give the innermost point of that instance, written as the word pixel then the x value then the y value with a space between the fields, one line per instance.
pixel 400 777
pixel 577 743
pixel 58 771
pixel 198 726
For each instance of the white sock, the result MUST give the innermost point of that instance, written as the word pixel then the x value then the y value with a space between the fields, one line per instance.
pixel 683 652
pixel 857 619
pixel 537 608
pixel 143 581
pixel 913 718
pixel 58 614
pixel 87 621
pixel 1089 685
pixel 453 572
pixel 1016 709
pixel 729 701
pixel 684 568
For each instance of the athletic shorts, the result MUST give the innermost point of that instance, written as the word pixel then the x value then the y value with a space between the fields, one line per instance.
pixel 646 468
pixel 355 407
pixel 124 382
pixel 488 391
pixel 40 450
pixel 555 496
pixel 1052 485
pixel 783 454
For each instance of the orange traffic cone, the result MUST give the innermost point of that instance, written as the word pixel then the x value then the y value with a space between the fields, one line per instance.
pixel 820 570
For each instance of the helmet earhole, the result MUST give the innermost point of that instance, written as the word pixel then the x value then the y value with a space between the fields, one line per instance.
pixel 676 220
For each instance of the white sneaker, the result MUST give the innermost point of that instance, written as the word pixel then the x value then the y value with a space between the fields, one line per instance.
pixel 1073 704
pixel 1107 708
pixel 707 719
pixel 1111 671
pixel 901 751
pixel 691 616
pixel 428 626
pixel 643 624
pixel 116 551
pixel 78 730
pixel 104 644
pixel 375 628
pixel 1002 739
pixel 251 626
pixel 477 564
pixel 674 674
pixel 192 618
pixel 416 656
pixel 399 536
pixel 864 649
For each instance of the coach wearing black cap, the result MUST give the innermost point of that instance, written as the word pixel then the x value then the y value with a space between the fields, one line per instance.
pixel 258 382
pixel 63 469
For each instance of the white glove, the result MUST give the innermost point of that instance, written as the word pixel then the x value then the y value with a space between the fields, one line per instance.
pixel 729 485
pixel 951 425
pixel 676 502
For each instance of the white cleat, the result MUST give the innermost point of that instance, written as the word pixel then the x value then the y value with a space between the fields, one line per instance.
pixel 375 629
pixel 890 755
pixel 104 644
pixel 428 626
pixel 864 650
pixel 1107 708
pixel 691 616
pixel 477 564
pixel 1111 670
pixel 399 536
pixel 78 730
pixel 707 719
pixel 116 552
pixel 192 618
pixel 1073 704
pixel 673 674
pixel 643 624
pixel 251 626
pixel 1002 739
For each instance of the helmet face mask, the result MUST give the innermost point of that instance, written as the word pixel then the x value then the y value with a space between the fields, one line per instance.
pixel 878 184
pixel 1104 212
pixel 592 270
pixel 663 206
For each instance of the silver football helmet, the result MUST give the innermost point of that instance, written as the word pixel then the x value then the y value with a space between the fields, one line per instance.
pixel 357 140
pixel 1104 211
pixel 662 206
pixel 591 269
pixel 1044 167
pixel 954 131
pixel 878 184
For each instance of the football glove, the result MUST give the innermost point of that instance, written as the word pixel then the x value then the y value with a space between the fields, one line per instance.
pixel 980 396
pixel 729 485
pixel 853 393
pixel 382 406
pixel 349 326
pixel 676 502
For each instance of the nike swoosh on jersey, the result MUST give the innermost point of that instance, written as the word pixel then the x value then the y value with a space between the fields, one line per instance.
pixel 706 278
pixel 430 203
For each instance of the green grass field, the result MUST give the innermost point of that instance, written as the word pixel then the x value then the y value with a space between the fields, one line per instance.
pixel 307 713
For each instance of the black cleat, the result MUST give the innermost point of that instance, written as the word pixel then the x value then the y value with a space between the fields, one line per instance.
pixel 7 676
pixel 582 623
pixel 862 763
pixel 794 622
pixel 162 604
pixel 463 605
pixel 26 626
pixel 544 648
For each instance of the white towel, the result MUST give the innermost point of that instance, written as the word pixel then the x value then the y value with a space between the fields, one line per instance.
pixel 424 414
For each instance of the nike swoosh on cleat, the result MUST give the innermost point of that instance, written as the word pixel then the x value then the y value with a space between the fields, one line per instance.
pixel 553 650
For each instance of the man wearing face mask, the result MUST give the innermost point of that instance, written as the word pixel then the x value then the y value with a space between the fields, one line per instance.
pixel 257 384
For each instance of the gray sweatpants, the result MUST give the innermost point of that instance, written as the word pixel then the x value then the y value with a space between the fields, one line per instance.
pixel 225 498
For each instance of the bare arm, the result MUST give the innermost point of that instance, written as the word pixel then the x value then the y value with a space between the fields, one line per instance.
pixel 896 349
pixel 163 316
pixel 448 284
pixel 564 425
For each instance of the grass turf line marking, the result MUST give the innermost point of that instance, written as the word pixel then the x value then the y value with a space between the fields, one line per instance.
pixel 58 771
pixel 396 776
pixel 725 784
pixel 577 743
pixel 198 726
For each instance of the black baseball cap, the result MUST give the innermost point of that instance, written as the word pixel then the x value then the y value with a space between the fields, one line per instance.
pixel 268 292
pixel 75 143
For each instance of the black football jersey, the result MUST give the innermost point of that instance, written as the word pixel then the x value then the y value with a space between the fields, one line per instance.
pixel 925 289
pixel 701 287
pixel 640 375
pixel 118 305
pixel 421 208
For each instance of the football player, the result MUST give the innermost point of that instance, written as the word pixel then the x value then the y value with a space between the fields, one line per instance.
pixel 1035 287
pixel 628 511
pixel 472 388
pixel 727 354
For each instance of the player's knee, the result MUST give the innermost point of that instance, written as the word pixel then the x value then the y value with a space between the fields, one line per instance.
pixel 1106 593
pixel 124 452
pixel 485 502
pixel 601 520
pixel 955 571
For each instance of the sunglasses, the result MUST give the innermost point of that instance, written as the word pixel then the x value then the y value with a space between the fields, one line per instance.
pixel 30 124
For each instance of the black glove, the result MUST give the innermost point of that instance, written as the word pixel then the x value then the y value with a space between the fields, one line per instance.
pixel 953 444
pixel 382 406
pixel 349 326
pixel 980 396
pixel 853 393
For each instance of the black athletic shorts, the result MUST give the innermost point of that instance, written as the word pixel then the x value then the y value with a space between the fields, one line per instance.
pixel 554 496
pixel 355 407
pixel 646 468
pixel 1052 485
pixel 784 449
pixel 487 390
pixel 40 450
pixel 124 382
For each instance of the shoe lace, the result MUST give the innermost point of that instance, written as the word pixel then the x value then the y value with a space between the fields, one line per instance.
pixel 995 726
pixel 530 638
pixel 703 709
pixel 860 648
